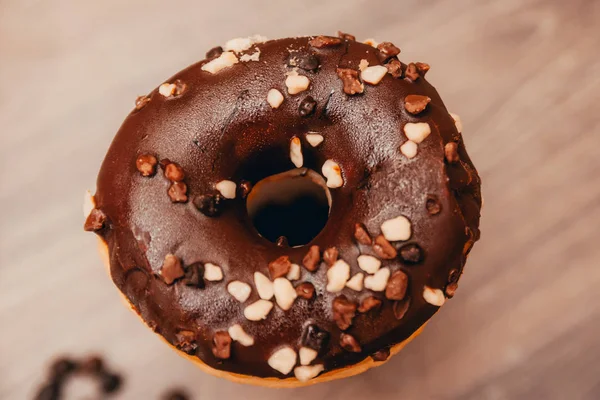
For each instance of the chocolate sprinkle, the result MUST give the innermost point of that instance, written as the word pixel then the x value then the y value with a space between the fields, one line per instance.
pixel 221 345
pixel 384 249
pixel 387 50
pixel 312 258
pixel 346 36
pixel 369 304
pixel 394 68
pixel 350 81
pixel 194 276
pixel 324 41
pixel 306 290
pixel 307 106
pixel 401 307
pixel 411 72
pixel 314 337
pixel 415 103
pixel 361 234
pixel 280 267
pixel 171 269
pixel 178 192
pixel 433 205
pixel 210 205
pixel 214 52
pixel 381 355
pixel 174 172
pixel 343 312
pixel 349 343
pixel 95 221
pixel 330 255
pixel 451 152
pixel 396 286
pixel 411 253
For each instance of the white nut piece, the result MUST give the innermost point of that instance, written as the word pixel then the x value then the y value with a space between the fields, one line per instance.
pixel 239 290
pixel 417 132
pixel 167 89
pixel 378 281
pixel 213 272
pixel 337 276
pixel 307 355
pixel 356 282
pixel 434 296
pixel 251 57
pixel 305 373
pixel 409 149
pixel 274 98
pixel 238 334
pixel 314 139
pixel 294 272
pixel 332 172
pixel 369 264
pixel 374 74
pixel 371 42
pixel 283 360
pixel 396 229
pixel 226 188
pixel 264 286
pixel 226 59
pixel 258 310
pixel 284 292
pixel 89 203
pixel 363 64
pixel 244 43
pixel 296 152
pixel 296 83
pixel 457 122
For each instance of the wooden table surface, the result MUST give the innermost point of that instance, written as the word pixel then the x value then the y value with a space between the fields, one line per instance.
pixel 523 74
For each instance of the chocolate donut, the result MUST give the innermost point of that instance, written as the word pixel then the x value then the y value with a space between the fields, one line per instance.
pixel 194 196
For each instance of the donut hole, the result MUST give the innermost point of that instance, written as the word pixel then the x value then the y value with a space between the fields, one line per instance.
pixel 293 204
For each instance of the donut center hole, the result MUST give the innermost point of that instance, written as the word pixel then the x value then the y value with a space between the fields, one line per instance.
pixel 291 207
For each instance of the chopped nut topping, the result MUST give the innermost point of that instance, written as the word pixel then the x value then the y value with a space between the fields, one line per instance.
pixel 184 341
pixel 280 267
pixel 451 152
pixel 264 286
pixel 141 101
pixel 369 264
pixel 401 307
pixel 305 61
pixel 225 59
pixel 274 98
pixel 172 89
pixel 330 255
pixel 387 50
pixel 422 68
pixel 174 172
pixel 221 345
pixel 433 205
pixel 409 149
pixel 245 188
pixel 411 72
pixel 314 337
pixel 350 81
pixel 146 164
pixel 349 343
pixel 411 253
pixel 337 276
pixel 381 355
pixel 306 373
pixel 417 132
pixel 451 289
pixel 294 272
pixel 394 68
pixel 296 83
pixel 433 296
pixel 307 106
pixel 282 241
pixel 283 360
pixel 214 52
pixel 369 304
pixel 384 249
pixel 238 45
pixel 363 64
pixel 209 204
pixel 171 269
pixel 343 312
pixel 239 290
pixel 213 272
pixel 371 42
pixel 296 152
pixel 285 294
pixel 251 57
pixel 396 229
pixel 178 192
pixel 324 41
pixel 346 36
pixel 314 139
pixel 373 74
pixel 396 286
pixel 356 282
pixel 307 355
pixel 361 234
pixel 457 122
pixel 332 172
pixel 378 281
pixel 415 103
pixel 258 310
pixel 194 275
pixel 306 290
pixel 312 258
pixel 226 188
pixel 238 334
pixel 95 221
pixel 89 203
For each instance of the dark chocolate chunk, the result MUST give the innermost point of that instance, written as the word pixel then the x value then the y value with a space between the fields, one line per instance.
pixel 324 41
pixel 396 286
pixel 244 188
pixel 346 36
pixel 306 290
pixel 349 343
pixel 411 72
pixel 312 258
pixel 451 152
pixel 214 52
pixel 349 77
pixel 171 269
pixel 384 249
pixel 306 61
pixel 50 391
pixel 415 103
pixel 146 164
pixel 93 365
pixel 411 253
pixel 141 101
pixel 368 304
pixel 95 221
pixel 330 255
pixel 451 289
pixel 394 68
pixel 343 311
pixel 221 345
pixel 282 241
pixel 401 307
pixel 280 267
pixel 387 50
pixel 186 341
pixel 109 382
pixel 307 106
pixel 210 205
pixel 381 355
pixel 174 172
pixel 178 192
pixel 61 368
pixel 194 275
pixel 361 234
pixel 433 205
pixel 422 68
pixel 314 337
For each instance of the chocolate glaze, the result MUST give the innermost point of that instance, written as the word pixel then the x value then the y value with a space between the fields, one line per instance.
pixel 221 127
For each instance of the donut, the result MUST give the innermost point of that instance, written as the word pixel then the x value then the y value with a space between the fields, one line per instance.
pixel 287 212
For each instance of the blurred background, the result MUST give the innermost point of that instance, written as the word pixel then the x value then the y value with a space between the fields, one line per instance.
pixel 524 75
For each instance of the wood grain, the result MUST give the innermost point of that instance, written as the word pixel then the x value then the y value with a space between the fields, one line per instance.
pixel 523 74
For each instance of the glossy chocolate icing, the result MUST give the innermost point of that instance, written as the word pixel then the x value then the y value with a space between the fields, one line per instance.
pixel 221 127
